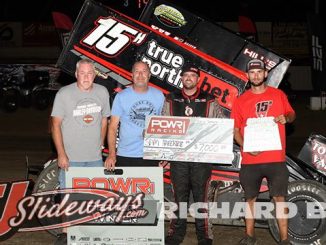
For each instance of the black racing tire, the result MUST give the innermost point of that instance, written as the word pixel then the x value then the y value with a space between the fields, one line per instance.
pixel 48 178
pixel 47 181
pixel 301 229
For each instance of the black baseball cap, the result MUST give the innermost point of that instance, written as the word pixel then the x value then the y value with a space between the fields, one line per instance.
pixel 190 68
pixel 255 64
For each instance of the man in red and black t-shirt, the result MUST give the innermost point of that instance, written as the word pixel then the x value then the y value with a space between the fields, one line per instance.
pixel 262 101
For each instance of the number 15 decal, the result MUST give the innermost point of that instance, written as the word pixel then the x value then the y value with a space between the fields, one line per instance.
pixel 111 37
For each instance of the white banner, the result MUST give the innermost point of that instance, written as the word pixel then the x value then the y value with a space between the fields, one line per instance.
pixel 261 134
pixel 143 225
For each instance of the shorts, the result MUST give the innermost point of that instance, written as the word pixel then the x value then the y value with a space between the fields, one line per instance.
pixel 62 173
pixel 276 174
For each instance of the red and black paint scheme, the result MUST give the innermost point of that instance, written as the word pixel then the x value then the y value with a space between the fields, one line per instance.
pixel 114 41
pixel 200 33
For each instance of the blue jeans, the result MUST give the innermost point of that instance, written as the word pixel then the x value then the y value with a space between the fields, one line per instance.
pixel 62 173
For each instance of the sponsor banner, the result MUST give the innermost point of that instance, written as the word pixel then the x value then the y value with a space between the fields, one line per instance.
pixel 50 209
pixel 114 41
pixel 211 38
pixel 128 197
pixel 39 35
pixel 190 139
pixel 314 152
pixel 141 216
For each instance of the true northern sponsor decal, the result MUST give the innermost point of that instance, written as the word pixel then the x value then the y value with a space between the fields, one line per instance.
pixel 166 65
pixel 168 125
pixel 223 91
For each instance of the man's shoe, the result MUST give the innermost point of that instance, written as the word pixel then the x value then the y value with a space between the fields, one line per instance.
pixel 61 239
pixel 285 242
pixel 170 240
pixel 205 242
pixel 248 240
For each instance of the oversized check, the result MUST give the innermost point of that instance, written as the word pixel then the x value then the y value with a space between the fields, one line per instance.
pixel 190 139
pixel 128 205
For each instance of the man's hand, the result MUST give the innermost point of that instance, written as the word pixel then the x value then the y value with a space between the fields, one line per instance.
pixel 110 162
pixel 254 153
pixel 281 119
pixel 63 162
pixel 163 163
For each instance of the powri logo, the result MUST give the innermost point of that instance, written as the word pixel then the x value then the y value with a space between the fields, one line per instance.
pixel 168 125
pixel 124 185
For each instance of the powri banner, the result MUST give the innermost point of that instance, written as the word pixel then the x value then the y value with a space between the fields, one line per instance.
pixel 138 191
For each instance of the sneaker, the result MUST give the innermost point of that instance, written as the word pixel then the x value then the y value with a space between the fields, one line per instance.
pixel 205 242
pixel 170 240
pixel 61 239
pixel 285 242
pixel 248 240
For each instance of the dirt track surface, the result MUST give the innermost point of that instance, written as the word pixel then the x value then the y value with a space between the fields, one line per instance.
pixel 25 133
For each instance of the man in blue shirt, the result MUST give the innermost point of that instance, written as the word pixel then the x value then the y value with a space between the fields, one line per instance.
pixel 130 107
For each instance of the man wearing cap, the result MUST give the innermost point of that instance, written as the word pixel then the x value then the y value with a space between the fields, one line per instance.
pixel 262 101
pixel 187 176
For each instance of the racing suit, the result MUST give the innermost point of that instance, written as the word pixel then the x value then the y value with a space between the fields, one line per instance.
pixel 186 176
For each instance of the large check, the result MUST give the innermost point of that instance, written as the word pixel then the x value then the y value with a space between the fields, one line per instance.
pixel 190 139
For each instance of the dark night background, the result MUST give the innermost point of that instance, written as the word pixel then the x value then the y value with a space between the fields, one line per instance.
pixel 277 10
pixel 274 11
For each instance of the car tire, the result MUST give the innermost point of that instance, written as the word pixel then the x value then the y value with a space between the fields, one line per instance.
pixel 301 229
pixel 47 181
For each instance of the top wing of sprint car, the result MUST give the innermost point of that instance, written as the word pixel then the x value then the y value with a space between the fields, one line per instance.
pixel 114 41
